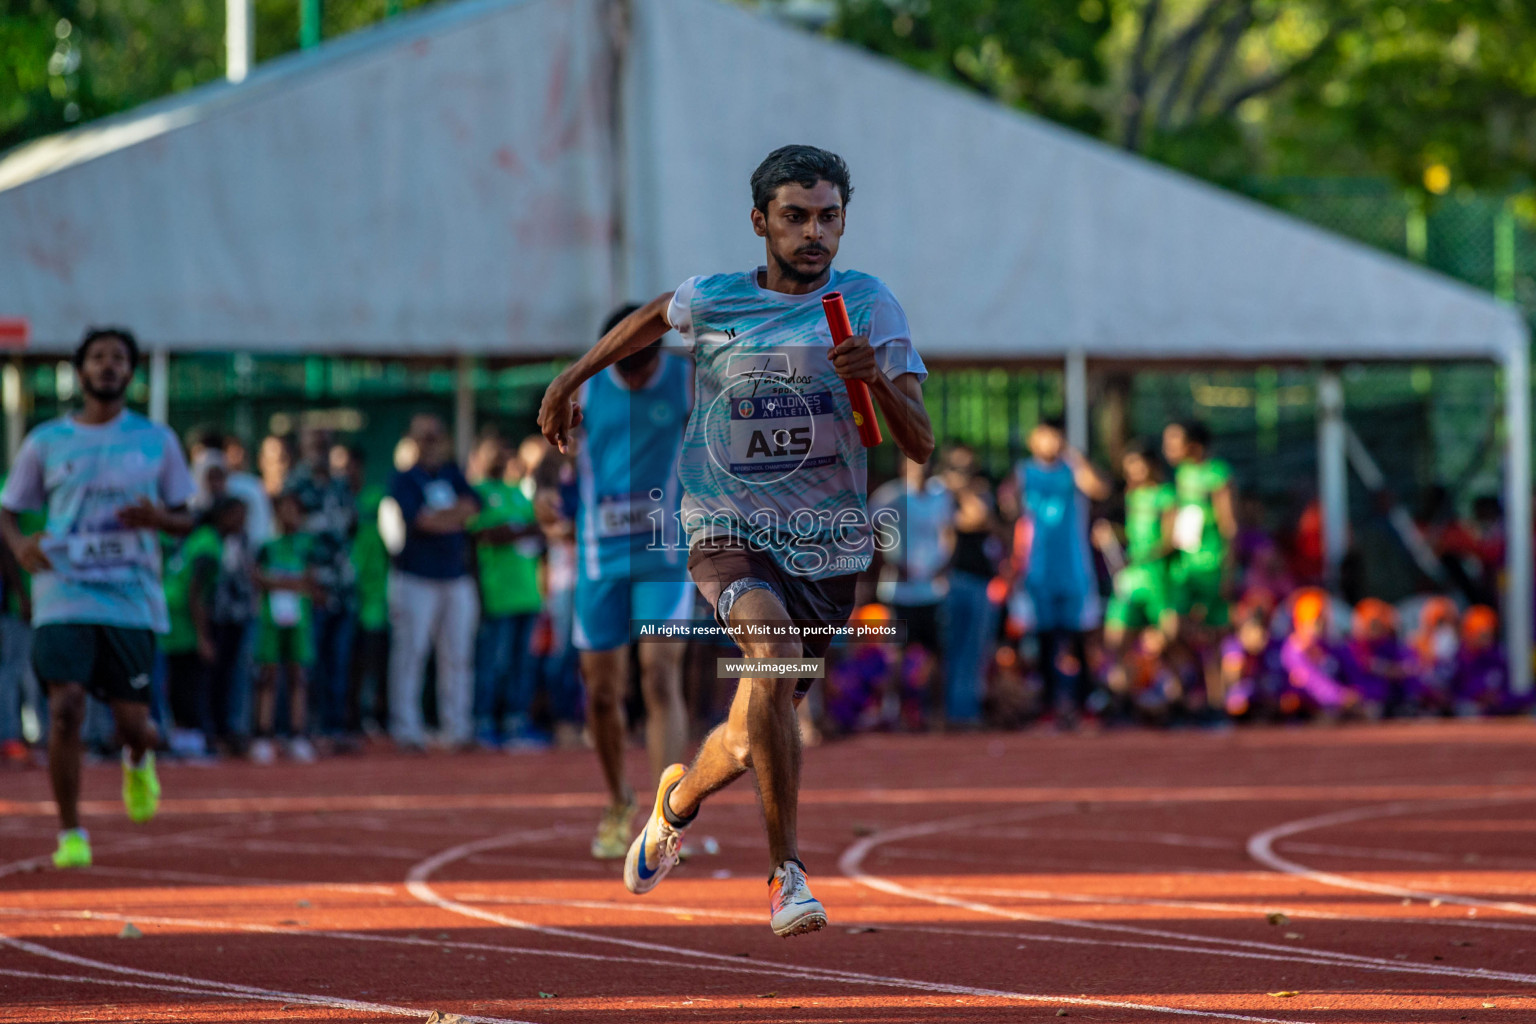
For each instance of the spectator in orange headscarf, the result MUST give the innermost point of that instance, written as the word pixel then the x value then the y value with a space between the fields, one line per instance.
pixel 1376 664
pixel 1436 644
pixel 1482 671
pixel 1313 667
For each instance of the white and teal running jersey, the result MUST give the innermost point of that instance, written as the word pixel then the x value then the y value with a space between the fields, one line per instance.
pixel 104 574
pixel 772 453
pixel 1059 558
pixel 626 472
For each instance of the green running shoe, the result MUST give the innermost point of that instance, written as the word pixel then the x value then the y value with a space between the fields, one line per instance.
pixel 141 788
pixel 74 850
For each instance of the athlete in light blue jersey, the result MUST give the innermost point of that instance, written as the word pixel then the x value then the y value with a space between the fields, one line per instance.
pixel 109 480
pixel 629 563
pixel 773 479
pixel 1056 484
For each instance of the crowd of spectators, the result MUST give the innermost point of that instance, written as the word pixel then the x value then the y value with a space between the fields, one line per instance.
pixel 1060 594
pixel 316 614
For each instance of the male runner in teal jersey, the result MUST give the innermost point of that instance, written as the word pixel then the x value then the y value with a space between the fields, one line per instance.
pixel 629 566
pixel 109 480
pixel 773 480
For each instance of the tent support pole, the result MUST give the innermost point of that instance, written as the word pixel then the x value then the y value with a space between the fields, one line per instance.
pixel 1332 473
pixel 160 385
pixel 239 40
pixel 14 401
pixel 1517 502
pixel 1075 391
pixel 464 408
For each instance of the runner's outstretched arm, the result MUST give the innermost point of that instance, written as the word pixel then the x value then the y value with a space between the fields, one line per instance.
pixel 901 399
pixel 558 414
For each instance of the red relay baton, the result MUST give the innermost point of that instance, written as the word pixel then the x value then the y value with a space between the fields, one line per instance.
pixel 858 391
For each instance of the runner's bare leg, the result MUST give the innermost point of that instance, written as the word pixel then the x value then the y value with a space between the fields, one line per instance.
pixel 606 674
pixel 760 732
pixel 66 717
pixel 666 717
pixel 135 728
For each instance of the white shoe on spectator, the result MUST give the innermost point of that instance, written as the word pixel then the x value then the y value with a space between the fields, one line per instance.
pixel 301 750
pixel 262 751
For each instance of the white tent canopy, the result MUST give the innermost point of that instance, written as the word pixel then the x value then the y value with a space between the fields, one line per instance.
pixel 492 176
pixel 442 183
pixel 1002 234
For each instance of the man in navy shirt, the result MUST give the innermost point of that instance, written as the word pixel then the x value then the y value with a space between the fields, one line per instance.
pixel 432 599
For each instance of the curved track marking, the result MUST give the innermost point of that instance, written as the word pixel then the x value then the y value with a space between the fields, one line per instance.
pixel 220 988
pixel 1261 847
pixel 1300 913
pixel 851 865
pixel 417 885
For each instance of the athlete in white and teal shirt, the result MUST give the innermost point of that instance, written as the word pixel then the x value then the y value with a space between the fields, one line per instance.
pixel 630 563
pixel 773 486
pixel 109 481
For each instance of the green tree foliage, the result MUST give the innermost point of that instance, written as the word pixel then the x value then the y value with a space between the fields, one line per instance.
pixel 65 62
pixel 1232 89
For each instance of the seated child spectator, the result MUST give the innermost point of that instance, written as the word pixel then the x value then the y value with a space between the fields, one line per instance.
pixel 1251 672
pixel 286 577
pixel 859 685
pixel 1482 671
pixel 1436 644
pixel 1154 687
pixel 1377 666
pixel 1313 667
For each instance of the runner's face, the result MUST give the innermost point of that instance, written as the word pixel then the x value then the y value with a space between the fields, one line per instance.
pixel 1135 469
pixel 106 369
pixel 803 227
pixel 1175 445
pixel 1045 443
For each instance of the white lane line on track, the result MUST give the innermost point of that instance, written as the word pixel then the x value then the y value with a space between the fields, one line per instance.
pixel 416 883
pixel 1300 913
pixel 1261 847
pixel 227 989
pixel 243 882
pixel 851 865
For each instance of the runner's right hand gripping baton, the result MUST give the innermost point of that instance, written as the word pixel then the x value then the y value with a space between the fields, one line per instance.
pixel 858 391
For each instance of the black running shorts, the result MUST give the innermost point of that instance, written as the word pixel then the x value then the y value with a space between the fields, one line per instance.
pixel 723 568
pixel 111 662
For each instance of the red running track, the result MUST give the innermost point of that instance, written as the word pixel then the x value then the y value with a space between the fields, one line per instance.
pixel 1370 874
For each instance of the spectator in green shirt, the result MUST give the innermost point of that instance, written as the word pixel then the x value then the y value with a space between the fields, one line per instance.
pixel 1201 526
pixel 191 651
pixel 508 542
pixel 285 574
pixel 368 691
pixel 1141 597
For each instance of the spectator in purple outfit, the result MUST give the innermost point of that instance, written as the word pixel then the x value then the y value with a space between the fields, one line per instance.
pixel 1250 662
pixel 1377 665
pixel 1482 670
pixel 1313 667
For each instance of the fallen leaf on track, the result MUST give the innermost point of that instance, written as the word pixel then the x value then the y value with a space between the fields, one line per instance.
pixel 1277 919
pixel 439 1017
pixel 861 930
pixel 1285 994
pixel 1293 935
pixel 130 931
pixel 548 995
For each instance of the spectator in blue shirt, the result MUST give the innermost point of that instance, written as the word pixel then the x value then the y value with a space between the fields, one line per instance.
pixel 432 599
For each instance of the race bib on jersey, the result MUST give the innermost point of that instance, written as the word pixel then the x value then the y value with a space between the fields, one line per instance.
pixel 1189 528
pixel 286 608
pixel 624 515
pixel 104 554
pixel 780 433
